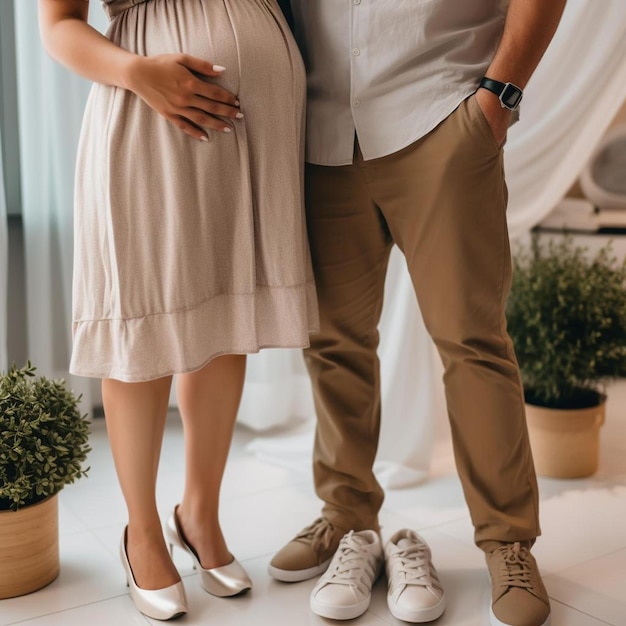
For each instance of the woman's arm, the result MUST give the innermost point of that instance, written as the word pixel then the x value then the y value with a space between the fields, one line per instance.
pixel 166 82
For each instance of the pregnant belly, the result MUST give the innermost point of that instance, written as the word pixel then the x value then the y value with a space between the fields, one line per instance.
pixel 248 37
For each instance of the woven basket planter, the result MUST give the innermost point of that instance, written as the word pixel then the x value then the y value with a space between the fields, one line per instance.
pixel 565 443
pixel 29 548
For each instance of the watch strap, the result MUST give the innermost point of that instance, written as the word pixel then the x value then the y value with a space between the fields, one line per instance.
pixel 492 85
pixel 510 95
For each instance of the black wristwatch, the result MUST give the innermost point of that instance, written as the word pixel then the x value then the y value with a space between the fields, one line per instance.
pixel 510 95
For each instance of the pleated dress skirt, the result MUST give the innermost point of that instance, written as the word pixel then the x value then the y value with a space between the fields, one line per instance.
pixel 186 250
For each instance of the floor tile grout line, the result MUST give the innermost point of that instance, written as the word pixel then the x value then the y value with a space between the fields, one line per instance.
pixel 89 528
pixel 438 527
pixel 569 606
pixel 72 608
pixel 582 563
pixel 465 516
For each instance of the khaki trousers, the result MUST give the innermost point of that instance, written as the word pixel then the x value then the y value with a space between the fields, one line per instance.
pixel 442 200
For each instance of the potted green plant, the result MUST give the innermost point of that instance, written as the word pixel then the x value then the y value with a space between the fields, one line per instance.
pixel 567 317
pixel 43 443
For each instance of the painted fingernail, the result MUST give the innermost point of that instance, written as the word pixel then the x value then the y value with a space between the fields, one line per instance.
pixel 228 130
pixel 203 138
pixel 218 68
pixel 237 103
pixel 239 116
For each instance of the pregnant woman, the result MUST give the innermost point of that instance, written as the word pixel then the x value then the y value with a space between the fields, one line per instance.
pixel 190 248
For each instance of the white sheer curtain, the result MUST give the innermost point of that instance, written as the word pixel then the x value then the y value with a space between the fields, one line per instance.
pixel 572 98
pixel 568 104
pixel 51 102
pixel 4 269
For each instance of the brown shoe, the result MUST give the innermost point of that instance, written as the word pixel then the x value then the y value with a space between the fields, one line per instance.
pixel 518 595
pixel 308 554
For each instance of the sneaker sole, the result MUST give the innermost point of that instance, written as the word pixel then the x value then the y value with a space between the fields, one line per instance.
pixel 297 575
pixel 418 616
pixel 340 612
pixel 494 621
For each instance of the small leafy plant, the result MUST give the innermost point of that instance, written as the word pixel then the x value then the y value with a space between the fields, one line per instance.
pixel 43 437
pixel 567 317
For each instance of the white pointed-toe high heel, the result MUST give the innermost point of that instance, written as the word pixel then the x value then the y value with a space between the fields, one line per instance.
pixel 227 580
pixel 161 604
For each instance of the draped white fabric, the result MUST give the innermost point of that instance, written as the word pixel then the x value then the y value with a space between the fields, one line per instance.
pixel 570 101
pixel 4 269
pixel 407 388
pixel 568 104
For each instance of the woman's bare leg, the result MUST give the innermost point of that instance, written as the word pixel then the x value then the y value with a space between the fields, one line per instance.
pixel 208 400
pixel 135 418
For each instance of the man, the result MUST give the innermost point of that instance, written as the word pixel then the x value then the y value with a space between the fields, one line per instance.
pixel 409 106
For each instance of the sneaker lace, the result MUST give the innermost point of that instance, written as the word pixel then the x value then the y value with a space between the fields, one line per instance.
pixel 318 534
pixel 349 564
pixel 515 569
pixel 414 564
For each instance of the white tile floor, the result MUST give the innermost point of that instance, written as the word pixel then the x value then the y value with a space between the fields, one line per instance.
pixel 582 551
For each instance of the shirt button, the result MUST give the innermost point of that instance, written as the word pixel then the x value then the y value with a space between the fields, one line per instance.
pixel 356 52
pixel 356 102
pixel 356 1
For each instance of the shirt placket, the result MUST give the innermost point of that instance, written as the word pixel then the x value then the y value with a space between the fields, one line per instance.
pixel 356 50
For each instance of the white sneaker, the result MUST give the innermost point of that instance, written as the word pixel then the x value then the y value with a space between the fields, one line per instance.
pixel 344 591
pixel 415 593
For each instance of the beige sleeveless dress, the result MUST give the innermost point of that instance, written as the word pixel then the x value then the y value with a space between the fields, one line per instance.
pixel 185 250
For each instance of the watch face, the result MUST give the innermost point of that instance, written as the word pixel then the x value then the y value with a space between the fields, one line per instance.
pixel 511 96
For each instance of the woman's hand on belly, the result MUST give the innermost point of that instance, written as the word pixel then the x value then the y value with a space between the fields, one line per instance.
pixel 169 84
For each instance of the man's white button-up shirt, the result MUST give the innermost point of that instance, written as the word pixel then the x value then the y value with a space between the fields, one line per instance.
pixel 389 70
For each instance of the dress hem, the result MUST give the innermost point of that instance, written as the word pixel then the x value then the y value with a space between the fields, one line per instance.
pixel 151 347
pixel 242 351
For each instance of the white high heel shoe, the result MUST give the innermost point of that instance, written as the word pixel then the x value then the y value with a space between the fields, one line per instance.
pixel 161 604
pixel 227 580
